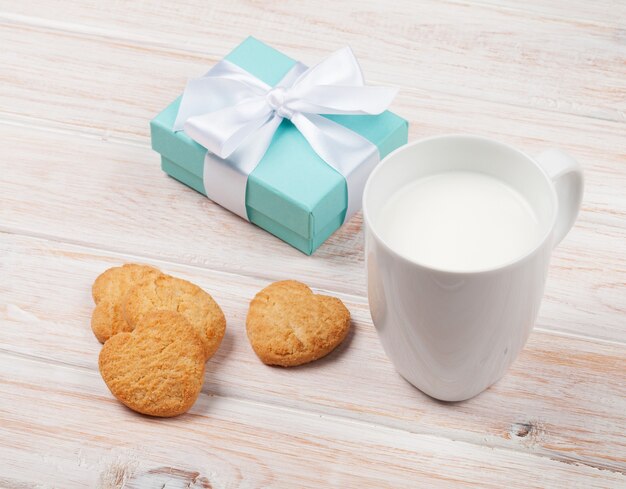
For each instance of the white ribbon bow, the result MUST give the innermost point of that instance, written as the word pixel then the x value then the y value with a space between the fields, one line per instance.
pixel 234 115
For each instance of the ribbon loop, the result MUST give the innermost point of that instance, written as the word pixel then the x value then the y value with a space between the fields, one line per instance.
pixel 235 115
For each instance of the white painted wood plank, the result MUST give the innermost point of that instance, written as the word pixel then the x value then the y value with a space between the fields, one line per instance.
pixel 114 196
pixel 565 398
pixel 602 12
pixel 107 71
pixel 482 52
pixel 69 433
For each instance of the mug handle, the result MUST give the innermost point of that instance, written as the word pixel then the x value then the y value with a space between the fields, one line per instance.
pixel 567 178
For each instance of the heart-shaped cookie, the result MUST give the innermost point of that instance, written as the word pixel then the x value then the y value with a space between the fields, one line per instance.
pixel 108 292
pixel 157 369
pixel 166 293
pixel 289 325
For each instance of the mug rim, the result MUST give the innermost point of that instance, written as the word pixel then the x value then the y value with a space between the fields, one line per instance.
pixel 540 242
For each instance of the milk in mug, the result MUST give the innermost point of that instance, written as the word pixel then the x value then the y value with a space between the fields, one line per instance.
pixel 459 221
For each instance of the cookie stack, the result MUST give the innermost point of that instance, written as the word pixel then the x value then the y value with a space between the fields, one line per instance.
pixel 158 331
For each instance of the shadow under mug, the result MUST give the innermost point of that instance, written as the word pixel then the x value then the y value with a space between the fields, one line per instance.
pixel 453 334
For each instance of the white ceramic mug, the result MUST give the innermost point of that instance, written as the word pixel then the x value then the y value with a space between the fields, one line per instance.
pixel 453 334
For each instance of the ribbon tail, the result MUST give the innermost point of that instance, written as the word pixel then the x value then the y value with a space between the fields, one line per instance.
pixel 349 153
pixel 336 86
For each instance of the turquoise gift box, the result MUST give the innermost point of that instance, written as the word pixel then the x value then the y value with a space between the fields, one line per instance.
pixel 292 193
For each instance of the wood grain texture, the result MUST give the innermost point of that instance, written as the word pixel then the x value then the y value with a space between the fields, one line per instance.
pixel 602 12
pixel 53 179
pixel 547 405
pixel 469 50
pixel 230 443
pixel 81 190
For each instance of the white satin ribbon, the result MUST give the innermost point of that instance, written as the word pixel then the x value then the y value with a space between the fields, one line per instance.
pixel 234 115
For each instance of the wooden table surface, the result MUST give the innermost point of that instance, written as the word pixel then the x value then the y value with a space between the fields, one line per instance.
pixel 81 190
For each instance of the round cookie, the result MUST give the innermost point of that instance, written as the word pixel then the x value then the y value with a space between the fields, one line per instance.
pixel 289 325
pixel 166 293
pixel 108 292
pixel 157 369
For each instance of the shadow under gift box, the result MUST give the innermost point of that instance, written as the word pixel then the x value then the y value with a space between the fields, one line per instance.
pixel 292 193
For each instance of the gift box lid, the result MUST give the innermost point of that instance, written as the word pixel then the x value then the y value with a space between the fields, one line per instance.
pixel 291 186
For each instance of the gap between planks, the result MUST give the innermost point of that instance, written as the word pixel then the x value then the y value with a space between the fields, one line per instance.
pixel 97 33
pixel 128 256
pixel 122 141
pixel 125 255
pixel 29 122
pixel 389 459
pixel 516 7
pixel 528 7
pixel 587 220
pixel 438 434
pixel 403 406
